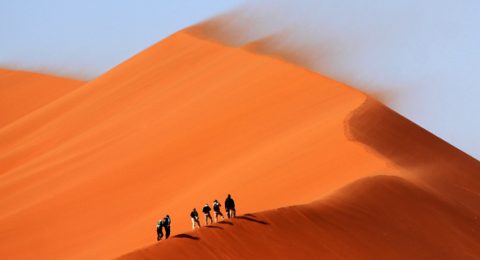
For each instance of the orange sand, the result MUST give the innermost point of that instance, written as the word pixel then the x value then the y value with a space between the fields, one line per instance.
pixel 24 92
pixel 381 217
pixel 189 120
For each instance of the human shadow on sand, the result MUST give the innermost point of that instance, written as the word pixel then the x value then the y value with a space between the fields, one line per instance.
pixel 214 227
pixel 252 219
pixel 186 236
pixel 225 223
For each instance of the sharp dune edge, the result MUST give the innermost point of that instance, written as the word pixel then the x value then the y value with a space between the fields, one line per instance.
pixel 353 223
pixel 189 120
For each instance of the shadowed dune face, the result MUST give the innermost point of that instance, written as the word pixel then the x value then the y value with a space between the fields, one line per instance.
pixel 24 92
pixel 187 121
pixel 178 125
pixel 377 217
pixel 411 147
pixel 392 136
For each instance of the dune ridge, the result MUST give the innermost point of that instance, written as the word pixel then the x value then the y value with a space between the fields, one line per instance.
pixel 187 121
pixel 381 216
pixel 23 92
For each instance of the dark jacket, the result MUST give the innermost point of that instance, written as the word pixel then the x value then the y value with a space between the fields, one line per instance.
pixel 206 209
pixel 229 203
pixel 167 221
pixel 216 207
pixel 194 214
pixel 159 225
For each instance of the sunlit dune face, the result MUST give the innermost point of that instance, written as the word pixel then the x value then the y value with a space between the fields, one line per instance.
pixel 190 120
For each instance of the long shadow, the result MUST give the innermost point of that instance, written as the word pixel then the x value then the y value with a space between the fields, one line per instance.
pixel 186 236
pixel 225 223
pixel 250 215
pixel 214 227
pixel 253 220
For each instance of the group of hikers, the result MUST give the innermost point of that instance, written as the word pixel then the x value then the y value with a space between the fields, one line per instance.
pixel 164 224
pixel 229 208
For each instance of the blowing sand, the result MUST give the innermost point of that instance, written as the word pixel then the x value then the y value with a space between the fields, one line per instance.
pixel 189 120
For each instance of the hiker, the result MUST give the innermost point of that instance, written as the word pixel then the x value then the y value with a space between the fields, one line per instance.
pixel 230 207
pixel 206 211
pixel 166 224
pixel 194 216
pixel 159 229
pixel 216 210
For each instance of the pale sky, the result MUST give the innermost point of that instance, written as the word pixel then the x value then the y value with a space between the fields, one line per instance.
pixel 85 38
pixel 420 57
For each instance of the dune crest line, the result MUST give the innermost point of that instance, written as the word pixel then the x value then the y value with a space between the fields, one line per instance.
pixel 189 120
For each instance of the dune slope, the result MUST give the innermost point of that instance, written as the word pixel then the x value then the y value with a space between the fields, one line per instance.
pixel 23 92
pixel 381 217
pixel 189 120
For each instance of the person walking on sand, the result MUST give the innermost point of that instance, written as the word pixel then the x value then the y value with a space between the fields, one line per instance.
pixel 159 229
pixel 216 210
pixel 194 216
pixel 206 211
pixel 230 207
pixel 166 224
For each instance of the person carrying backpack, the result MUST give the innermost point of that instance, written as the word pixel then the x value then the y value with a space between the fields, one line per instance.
pixel 206 211
pixel 166 224
pixel 216 210
pixel 194 216
pixel 230 206
pixel 159 229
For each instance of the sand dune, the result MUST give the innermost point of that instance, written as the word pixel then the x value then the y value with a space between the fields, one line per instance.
pixel 381 217
pixel 189 120
pixel 24 92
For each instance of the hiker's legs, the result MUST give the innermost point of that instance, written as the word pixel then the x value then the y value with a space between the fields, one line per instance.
pixel 220 214
pixel 208 216
pixel 232 213
pixel 167 232
pixel 228 213
pixel 193 223
pixel 159 234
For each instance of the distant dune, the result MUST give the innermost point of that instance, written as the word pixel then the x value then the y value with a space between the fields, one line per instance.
pixel 24 92
pixel 189 120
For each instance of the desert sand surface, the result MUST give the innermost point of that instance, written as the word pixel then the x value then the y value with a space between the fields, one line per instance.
pixel 189 120
pixel 379 217
pixel 23 92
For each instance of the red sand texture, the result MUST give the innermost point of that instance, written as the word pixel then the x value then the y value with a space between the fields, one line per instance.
pixel 189 120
